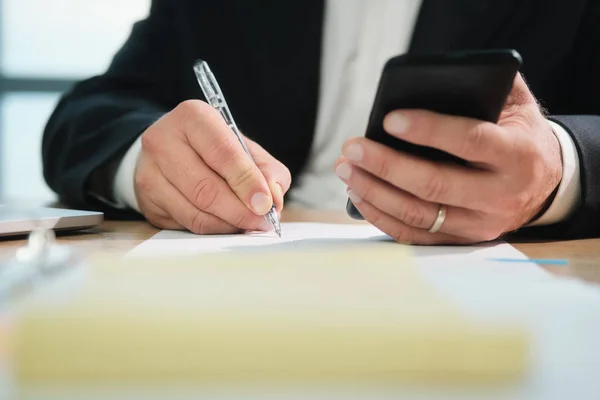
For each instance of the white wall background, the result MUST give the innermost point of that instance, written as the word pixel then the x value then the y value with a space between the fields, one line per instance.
pixel 69 39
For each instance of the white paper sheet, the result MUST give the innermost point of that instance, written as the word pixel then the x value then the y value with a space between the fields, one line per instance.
pixel 303 236
pixel 466 275
pixel 295 236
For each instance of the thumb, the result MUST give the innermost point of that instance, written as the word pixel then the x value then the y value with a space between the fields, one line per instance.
pixel 520 93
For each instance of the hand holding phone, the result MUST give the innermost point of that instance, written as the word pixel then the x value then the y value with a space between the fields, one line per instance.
pixel 469 84
pixel 467 154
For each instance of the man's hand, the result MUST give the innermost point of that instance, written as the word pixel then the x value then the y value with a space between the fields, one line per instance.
pixel 193 174
pixel 516 165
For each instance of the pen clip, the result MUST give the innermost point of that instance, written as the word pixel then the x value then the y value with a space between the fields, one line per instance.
pixel 214 97
pixel 209 85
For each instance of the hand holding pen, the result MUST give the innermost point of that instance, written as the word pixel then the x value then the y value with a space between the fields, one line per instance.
pixel 215 98
pixel 193 173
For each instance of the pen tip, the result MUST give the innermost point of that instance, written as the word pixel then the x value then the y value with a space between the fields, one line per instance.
pixel 274 221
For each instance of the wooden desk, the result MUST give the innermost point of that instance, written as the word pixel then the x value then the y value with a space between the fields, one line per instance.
pixel 121 236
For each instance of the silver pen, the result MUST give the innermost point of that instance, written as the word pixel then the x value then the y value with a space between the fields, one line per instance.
pixel 215 98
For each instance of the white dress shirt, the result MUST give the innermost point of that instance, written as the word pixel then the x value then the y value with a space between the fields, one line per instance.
pixel 359 36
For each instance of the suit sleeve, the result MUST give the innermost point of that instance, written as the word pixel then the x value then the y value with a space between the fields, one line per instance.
pixel 97 121
pixel 581 89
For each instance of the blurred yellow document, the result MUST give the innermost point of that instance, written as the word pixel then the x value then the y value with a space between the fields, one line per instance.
pixel 354 314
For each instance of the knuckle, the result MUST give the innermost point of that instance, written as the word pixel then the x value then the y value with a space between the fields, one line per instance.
pixel 242 178
pixel 383 168
pixel 188 108
pixel 143 181
pixel 433 188
pixel 224 149
pixel 404 235
pixel 412 215
pixel 374 218
pixel 475 141
pixel 365 192
pixel 150 141
pixel 186 114
pixel 241 221
pixel 198 223
pixel 152 217
pixel 164 223
pixel 205 193
pixel 246 221
pixel 157 220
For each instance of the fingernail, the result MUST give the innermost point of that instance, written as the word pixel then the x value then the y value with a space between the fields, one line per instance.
pixel 261 203
pixel 353 197
pixel 354 152
pixel 344 171
pixel 397 123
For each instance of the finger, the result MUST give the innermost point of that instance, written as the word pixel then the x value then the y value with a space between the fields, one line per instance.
pixel 184 213
pixel 276 173
pixel 437 183
pixel 401 232
pixel 411 210
pixel 200 185
pixel 167 223
pixel 472 140
pixel 158 217
pixel 397 203
pixel 217 145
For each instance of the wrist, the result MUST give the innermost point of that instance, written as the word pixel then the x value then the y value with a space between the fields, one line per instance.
pixel 545 205
pixel 566 195
pixel 123 184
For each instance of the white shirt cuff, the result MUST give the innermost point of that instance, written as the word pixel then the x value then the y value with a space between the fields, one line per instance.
pixel 568 195
pixel 123 185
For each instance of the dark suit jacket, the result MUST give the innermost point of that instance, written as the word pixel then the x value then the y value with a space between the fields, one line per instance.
pixel 267 54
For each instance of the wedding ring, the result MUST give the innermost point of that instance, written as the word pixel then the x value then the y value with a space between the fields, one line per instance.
pixel 439 221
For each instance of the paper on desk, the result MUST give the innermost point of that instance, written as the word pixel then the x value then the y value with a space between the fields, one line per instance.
pixel 464 273
pixel 305 236
pixel 295 236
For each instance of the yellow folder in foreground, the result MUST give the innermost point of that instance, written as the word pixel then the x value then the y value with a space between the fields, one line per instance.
pixel 359 315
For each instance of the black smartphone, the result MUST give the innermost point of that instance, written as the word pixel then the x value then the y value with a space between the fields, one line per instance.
pixel 472 84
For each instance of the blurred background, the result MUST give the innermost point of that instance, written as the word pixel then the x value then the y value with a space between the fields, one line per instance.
pixel 46 45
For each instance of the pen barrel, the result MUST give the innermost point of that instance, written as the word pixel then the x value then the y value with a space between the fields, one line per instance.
pixel 238 134
pixel 214 97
